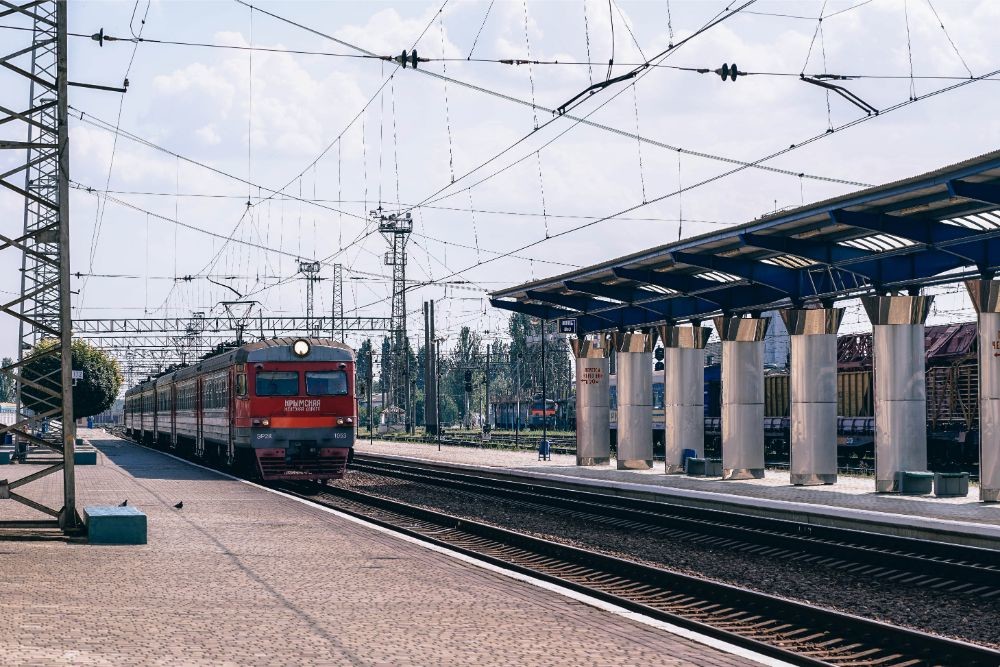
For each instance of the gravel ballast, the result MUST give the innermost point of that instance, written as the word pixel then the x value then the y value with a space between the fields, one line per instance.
pixel 939 611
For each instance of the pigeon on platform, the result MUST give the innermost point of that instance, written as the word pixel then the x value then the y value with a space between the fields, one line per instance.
pixel 179 505
pixel 124 503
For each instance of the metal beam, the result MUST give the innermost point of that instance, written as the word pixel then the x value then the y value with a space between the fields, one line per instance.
pixel 623 292
pixel 984 192
pixel 573 301
pixel 532 309
pixel 667 309
pixel 776 277
pixel 821 253
pixel 674 281
pixel 918 230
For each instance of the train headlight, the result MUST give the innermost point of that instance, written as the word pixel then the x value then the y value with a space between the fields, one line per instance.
pixel 264 422
pixel 301 347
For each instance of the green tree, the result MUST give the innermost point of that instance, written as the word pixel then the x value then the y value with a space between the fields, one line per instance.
pixel 95 393
pixel 8 388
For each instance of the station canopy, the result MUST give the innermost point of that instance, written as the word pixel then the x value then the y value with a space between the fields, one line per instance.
pixel 936 228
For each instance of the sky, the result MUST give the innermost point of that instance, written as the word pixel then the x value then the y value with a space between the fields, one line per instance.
pixel 277 116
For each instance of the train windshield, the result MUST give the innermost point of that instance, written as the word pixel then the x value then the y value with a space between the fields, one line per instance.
pixel 277 383
pixel 326 383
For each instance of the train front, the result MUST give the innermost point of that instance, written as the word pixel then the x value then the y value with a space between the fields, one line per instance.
pixel 299 414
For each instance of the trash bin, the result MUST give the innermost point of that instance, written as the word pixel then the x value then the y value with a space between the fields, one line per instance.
pixel 544 450
pixel 90 422
pixel 685 455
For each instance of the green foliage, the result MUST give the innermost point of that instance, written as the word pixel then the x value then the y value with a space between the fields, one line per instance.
pixel 95 393
pixel 8 388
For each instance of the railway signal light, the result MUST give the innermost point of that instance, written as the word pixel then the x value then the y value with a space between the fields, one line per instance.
pixel 658 354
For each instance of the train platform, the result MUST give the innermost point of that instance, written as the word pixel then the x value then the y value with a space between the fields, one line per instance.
pixel 242 575
pixel 850 503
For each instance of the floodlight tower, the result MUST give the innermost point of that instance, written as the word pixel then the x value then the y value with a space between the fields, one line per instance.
pixel 396 228
pixel 311 272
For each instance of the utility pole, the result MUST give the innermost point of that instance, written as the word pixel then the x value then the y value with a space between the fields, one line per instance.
pixel 430 371
pixel 517 395
pixel 437 383
pixel 545 407
pixel 486 425
pixel 371 408
pixel 396 228
pixel 311 272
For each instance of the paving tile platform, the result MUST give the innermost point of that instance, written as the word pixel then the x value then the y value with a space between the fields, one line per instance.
pixel 851 502
pixel 241 576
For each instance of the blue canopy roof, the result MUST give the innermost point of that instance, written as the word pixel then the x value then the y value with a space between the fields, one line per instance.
pixel 940 227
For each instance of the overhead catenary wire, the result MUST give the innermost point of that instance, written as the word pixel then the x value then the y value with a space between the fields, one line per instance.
pixel 99 212
pixel 726 174
pixel 587 121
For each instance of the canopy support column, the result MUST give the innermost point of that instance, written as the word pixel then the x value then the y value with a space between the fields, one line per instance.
pixel 813 393
pixel 742 395
pixel 900 389
pixel 683 393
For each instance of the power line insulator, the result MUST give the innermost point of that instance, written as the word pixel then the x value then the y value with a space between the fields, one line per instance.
pixel 727 71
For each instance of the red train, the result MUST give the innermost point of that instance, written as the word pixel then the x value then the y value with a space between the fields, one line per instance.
pixel 276 409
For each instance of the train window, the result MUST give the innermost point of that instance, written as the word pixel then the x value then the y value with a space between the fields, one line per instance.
pixel 326 383
pixel 241 384
pixel 277 383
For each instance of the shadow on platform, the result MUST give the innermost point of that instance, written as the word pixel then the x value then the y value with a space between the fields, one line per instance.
pixel 148 463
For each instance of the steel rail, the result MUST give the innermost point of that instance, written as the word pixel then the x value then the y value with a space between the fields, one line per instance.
pixel 801 634
pixel 968 570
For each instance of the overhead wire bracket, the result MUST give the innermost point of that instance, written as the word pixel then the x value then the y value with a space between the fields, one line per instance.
pixel 843 92
pixel 590 90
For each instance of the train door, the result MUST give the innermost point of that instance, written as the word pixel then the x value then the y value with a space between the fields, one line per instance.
pixel 230 403
pixel 173 414
pixel 199 418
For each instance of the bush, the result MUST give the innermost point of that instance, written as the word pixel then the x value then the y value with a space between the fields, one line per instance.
pixel 95 393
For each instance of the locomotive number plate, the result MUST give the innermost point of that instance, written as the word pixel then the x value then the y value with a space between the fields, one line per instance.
pixel 301 405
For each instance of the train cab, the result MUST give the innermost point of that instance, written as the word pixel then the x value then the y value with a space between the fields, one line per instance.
pixel 295 408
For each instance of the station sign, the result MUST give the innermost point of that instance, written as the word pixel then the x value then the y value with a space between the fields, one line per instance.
pixel 77 375
pixel 567 325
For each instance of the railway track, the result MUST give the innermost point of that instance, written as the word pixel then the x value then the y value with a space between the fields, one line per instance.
pixel 798 633
pixel 970 571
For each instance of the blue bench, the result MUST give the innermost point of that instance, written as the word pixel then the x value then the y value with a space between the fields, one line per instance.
pixel 115 525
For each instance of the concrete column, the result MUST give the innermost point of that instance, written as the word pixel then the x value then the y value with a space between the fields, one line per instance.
pixel 813 393
pixel 900 389
pixel 683 392
pixel 985 296
pixel 742 395
pixel 635 399
pixel 593 406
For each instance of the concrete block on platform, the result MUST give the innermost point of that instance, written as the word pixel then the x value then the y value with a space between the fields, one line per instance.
pixel 914 482
pixel 115 525
pixel 85 456
pixel 704 467
pixel 951 484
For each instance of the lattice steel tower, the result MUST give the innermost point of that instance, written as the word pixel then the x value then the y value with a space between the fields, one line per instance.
pixel 311 272
pixel 43 372
pixel 337 304
pixel 396 228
